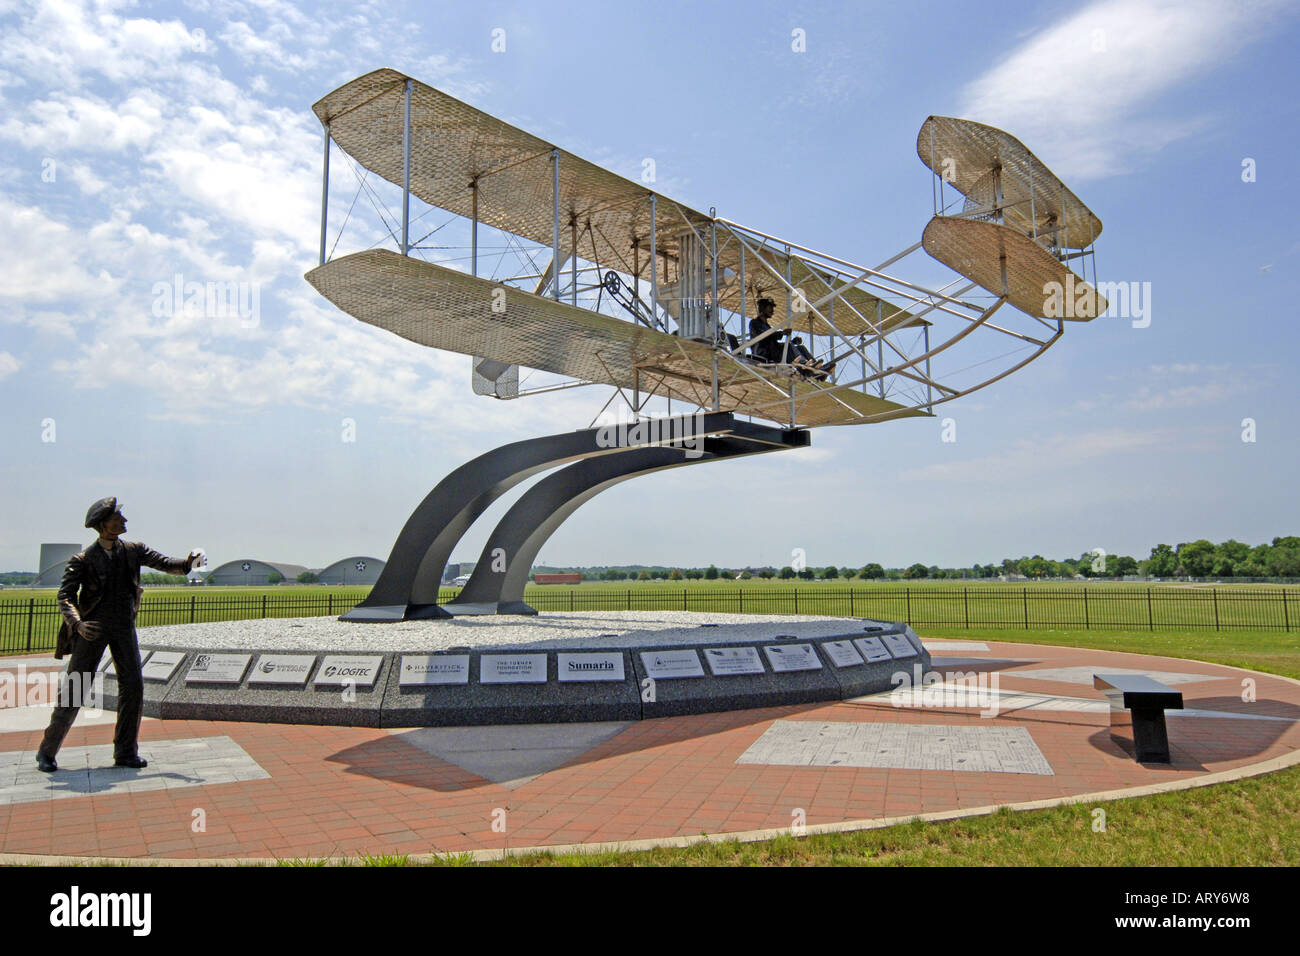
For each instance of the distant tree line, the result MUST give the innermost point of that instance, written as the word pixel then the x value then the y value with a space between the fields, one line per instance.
pixel 1194 559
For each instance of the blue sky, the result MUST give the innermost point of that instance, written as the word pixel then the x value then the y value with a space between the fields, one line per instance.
pixel 142 141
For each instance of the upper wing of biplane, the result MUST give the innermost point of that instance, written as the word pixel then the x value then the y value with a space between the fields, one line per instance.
pixel 682 267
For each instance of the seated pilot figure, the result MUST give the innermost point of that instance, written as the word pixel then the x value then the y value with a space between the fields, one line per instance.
pixel 771 350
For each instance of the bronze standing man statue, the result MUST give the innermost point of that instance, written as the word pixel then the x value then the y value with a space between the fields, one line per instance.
pixel 108 576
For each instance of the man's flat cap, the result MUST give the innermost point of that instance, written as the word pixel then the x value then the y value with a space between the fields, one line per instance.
pixel 100 510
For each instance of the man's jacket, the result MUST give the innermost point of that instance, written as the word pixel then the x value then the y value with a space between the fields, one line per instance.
pixel 87 571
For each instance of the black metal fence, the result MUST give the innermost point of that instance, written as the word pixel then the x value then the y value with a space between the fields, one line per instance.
pixel 31 624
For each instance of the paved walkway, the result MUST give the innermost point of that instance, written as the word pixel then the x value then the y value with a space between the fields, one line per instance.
pixel 238 790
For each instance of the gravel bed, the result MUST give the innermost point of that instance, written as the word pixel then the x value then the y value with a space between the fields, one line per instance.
pixel 548 630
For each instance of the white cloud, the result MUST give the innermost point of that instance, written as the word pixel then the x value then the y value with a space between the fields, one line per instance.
pixel 1078 92
pixel 8 365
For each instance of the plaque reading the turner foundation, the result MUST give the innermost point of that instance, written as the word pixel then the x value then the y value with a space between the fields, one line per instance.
pixel 512 669
pixel 338 670
pixel 668 664
pixel 873 649
pixel 291 669
pixel 728 661
pixel 218 669
pixel 594 666
pixel 842 653
pixel 425 670
pixel 792 657
pixel 899 646
pixel 162 664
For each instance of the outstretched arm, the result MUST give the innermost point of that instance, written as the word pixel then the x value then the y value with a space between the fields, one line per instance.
pixel 160 562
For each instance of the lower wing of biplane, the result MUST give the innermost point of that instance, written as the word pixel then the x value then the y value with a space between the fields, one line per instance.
pixel 610 283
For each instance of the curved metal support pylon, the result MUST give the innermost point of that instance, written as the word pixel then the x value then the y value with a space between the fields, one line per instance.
pixel 408 586
pixel 497 583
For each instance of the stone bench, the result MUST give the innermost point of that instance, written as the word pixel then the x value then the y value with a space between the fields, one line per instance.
pixel 1137 713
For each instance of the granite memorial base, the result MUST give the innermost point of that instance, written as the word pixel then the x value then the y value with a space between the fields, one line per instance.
pixel 489 685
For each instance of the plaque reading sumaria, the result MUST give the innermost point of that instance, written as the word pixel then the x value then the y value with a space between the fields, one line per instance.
pixel 339 670
pixel 729 661
pixel 872 649
pixel 842 653
pixel 108 666
pixel 792 657
pixel 663 665
pixel 218 668
pixel 162 664
pixel 512 669
pixel 592 666
pixel 424 670
pixel 284 669
pixel 899 646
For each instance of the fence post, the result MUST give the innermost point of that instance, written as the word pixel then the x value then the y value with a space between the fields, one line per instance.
pixel 851 602
pixel 629 599
pixel 965 605
pixel 192 599
pixel 1286 615
pixel 570 599
pixel 1087 623
pixel 741 592
pixel 907 593
pixel 329 603
pixel 31 612
pixel 796 600
pixel 1151 621
pixel 263 605
pixel 1215 593
pixel 1026 596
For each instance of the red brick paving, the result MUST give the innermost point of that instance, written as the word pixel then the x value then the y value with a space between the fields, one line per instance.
pixel 337 790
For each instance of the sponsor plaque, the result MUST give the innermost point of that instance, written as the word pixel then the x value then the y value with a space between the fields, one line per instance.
pixel 110 669
pixel 424 670
pixel 291 669
pixel 595 666
pixel 792 657
pixel 872 649
pixel 668 664
pixel 899 645
pixel 512 669
pixel 842 653
pixel 218 668
pixel 162 664
pixel 342 670
pixel 728 661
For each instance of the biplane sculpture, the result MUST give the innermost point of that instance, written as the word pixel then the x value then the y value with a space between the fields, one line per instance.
pixel 611 283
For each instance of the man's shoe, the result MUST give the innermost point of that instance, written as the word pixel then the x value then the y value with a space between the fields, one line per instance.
pixel 135 763
pixel 45 764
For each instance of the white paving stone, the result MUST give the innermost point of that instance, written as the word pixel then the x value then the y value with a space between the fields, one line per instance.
pixel 811 743
pixel 1082 674
pixel 89 770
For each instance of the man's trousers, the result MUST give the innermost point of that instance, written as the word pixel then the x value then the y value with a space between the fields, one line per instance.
pixel 83 663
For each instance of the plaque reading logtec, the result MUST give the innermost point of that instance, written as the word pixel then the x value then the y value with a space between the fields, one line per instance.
pixel 512 669
pixel 593 666
pixel 424 670
pixel 339 670
pixel 162 664
pixel 218 668
pixel 899 645
pixel 729 661
pixel 792 657
pixel 662 665
pixel 842 653
pixel 290 669
pixel 872 649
